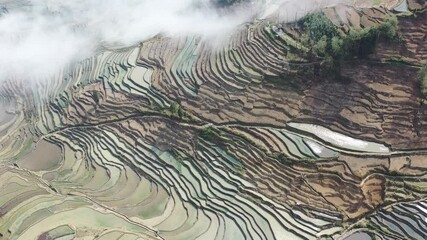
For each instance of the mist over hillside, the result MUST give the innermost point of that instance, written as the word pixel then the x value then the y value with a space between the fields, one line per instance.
pixel 213 119
pixel 39 37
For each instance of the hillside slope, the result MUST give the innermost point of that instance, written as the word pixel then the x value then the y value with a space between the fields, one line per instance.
pixel 269 136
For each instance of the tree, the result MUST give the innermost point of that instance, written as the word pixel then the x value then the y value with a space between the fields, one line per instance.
pixel 181 113
pixel 95 96
pixel 337 46
pixel 318 25
pixel 174 108
pixel 321 46
pixel 389 28
pixel 210 134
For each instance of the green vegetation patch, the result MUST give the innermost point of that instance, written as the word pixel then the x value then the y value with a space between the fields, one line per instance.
pixel 282 158
pixel 58 232
pixel 210 134
pixel 319 32
pixel 321 35
pixel 318 26
pixel 361 43
pixel 333 46
pixel 175 110
pixel 423 80
pixel 376 2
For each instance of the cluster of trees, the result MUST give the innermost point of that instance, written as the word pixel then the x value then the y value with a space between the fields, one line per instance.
pixel 326 41
pixel 322 35
pixel 210 134
pixel 177 111
pixel 319 33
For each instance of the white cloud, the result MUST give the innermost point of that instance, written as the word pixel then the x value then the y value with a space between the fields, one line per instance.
pixel 38 37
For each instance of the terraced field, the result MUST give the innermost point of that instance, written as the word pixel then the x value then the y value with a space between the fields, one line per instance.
pixel 178 139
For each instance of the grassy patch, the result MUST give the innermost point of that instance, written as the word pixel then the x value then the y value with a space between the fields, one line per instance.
pixel 376 2
pixel 175 110
pixel 28 144
pixel 290 162
pixel 423 80
pixel 210 134
pixel 399 60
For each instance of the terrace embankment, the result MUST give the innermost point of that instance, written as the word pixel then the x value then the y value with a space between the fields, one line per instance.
pixel 177 139
pixel 412 47
pixel 379 102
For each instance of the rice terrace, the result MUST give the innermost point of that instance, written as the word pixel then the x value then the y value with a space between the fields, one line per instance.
pixel 213 119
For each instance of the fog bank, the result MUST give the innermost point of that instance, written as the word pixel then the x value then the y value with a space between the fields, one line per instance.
pixel 39 37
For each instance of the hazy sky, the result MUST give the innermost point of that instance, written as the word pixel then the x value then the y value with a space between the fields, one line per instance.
pixel 38 37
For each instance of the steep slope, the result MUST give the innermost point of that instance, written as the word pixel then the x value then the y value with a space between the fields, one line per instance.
pixel 255 139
